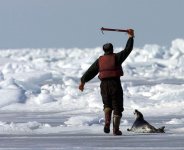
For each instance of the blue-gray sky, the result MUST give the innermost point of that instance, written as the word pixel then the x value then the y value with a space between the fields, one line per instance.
pixel 77 23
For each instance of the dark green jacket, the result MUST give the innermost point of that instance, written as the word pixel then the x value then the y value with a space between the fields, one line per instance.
pixel 120 58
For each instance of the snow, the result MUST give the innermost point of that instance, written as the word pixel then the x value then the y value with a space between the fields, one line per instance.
pixel 42 108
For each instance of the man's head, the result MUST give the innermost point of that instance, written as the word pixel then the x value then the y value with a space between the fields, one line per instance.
pixel 108 48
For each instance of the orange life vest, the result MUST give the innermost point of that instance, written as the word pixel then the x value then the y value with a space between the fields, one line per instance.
pixel 108 67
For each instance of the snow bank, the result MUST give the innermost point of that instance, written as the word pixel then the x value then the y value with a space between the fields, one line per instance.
pixel 83 120
pixel 47 80
pixel 22 128
pixel 176 121
pixel 11 93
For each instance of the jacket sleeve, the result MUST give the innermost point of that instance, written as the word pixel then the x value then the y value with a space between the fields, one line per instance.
pixel 91 72
pixel 121 56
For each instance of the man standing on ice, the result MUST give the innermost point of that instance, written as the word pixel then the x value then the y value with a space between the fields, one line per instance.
pixel 109 68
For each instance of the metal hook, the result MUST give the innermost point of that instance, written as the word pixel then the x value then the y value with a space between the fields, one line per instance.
pixel 102 30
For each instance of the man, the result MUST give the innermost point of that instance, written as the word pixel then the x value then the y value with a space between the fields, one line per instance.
pixel 109 68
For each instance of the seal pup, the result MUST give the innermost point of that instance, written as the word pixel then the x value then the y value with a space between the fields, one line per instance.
pixel 142 126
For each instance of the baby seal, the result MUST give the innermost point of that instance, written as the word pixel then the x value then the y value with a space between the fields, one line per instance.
pixel 142 126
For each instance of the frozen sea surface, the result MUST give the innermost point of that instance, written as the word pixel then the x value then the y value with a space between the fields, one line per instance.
pixel 50 131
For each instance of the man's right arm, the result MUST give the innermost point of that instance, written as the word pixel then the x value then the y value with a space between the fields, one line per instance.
pixel 121 56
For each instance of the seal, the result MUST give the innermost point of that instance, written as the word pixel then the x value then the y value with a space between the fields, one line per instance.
pixel 142 126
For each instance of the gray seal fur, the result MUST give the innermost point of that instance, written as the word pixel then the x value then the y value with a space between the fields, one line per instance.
pixel 142 126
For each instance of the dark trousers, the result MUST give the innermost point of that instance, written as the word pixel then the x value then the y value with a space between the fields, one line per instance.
pixel 112 95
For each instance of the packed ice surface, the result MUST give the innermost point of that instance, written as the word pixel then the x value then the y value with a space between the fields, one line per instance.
pixel 46 81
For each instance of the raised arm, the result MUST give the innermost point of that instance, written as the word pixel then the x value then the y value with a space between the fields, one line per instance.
pixel 121 56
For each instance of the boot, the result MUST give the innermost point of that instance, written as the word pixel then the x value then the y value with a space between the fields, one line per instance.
pixel 116 124
pixel 108 112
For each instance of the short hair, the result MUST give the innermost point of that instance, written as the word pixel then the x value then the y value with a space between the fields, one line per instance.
pixel 108 47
